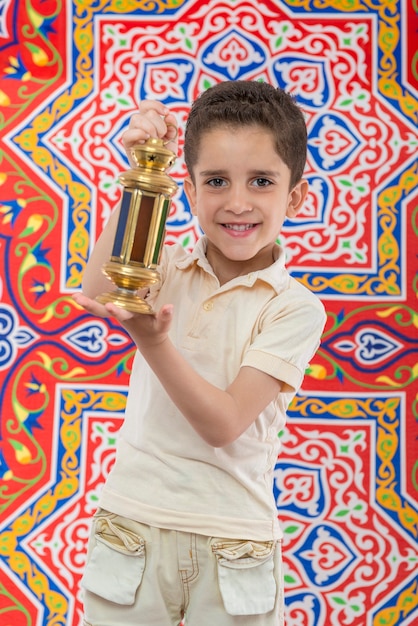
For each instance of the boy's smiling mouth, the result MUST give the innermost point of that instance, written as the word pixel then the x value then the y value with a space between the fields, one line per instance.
pixel 239 227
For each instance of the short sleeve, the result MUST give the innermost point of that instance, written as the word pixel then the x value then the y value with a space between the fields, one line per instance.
pixel 289 334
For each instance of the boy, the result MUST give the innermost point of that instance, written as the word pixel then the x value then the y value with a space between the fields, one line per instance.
pixel 188 524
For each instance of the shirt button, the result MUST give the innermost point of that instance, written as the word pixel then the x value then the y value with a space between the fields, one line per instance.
pixel 208 306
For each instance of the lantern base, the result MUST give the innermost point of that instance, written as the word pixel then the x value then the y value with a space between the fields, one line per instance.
pixel 128 300
pixel 128 278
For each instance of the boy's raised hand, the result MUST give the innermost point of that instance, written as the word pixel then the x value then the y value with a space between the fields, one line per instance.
pixel 152 120
pixel 146 330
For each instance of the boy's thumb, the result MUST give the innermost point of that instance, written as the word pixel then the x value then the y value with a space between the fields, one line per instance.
pixel 167 311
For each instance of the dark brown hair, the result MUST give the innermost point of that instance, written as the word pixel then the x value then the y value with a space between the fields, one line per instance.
pixel 245 103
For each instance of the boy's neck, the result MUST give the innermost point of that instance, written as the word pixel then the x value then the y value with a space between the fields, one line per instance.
pixel 227 269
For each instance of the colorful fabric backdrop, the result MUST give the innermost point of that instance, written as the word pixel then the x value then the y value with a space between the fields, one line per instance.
pixel 71 74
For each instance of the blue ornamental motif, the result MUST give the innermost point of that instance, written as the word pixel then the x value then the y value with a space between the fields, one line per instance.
pixel 92 338
pixel 308 77
pixel 171 77
pixel 332 142
pixel 326 555
pixel 233 55
pixel 371 347
pixel 299 489
pixel 12 336
pixel 304 604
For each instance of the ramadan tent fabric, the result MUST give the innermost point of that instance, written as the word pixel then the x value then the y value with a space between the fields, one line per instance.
pixel 71 74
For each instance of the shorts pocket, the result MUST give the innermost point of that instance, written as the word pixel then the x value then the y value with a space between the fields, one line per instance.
pixel 116 565
pixel 246 576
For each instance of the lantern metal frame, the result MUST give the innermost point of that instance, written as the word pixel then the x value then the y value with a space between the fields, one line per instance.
pixel 144 208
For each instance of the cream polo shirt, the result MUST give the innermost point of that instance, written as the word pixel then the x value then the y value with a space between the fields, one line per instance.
pixel 165 474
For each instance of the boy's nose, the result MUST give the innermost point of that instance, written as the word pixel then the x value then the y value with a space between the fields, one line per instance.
pixel 238 202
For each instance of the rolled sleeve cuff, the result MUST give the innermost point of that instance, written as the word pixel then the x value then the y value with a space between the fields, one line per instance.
pixel 287 373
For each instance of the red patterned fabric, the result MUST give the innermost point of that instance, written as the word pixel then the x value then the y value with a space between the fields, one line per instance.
pixel 71 74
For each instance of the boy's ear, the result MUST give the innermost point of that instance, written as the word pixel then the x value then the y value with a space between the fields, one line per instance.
pixel 190 191
pixel 297 198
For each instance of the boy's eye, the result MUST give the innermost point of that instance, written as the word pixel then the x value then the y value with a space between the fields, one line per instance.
pixel 216 182
pixel 261 182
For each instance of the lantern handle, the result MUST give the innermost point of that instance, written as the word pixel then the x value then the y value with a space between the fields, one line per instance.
pixel 175 136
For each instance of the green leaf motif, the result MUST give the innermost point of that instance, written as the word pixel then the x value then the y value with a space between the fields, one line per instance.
pixel 289 530
pixel 289 579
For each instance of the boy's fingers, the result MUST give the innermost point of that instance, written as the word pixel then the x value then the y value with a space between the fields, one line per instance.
pixel 132 137
pixel 122 315
pixel 102 310
pixel 153 105
pixel 153 120
pixel 91 306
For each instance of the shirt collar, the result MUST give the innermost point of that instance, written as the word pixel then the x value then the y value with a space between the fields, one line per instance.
pixel 275 275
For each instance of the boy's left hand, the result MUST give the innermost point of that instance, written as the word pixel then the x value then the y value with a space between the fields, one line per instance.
pixel 146 330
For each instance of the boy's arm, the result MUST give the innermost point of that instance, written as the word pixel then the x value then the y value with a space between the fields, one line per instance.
pixel 152 120
pixel 94 281
pixel 219 416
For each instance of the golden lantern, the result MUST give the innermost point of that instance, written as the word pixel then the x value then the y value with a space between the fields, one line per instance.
pixel 140 233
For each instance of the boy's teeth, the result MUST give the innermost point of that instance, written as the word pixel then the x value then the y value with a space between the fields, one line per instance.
pixel 239 227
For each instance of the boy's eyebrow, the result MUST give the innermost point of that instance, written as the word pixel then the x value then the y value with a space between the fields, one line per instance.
pixel 264 173
pixel 251 173
pixel 212 173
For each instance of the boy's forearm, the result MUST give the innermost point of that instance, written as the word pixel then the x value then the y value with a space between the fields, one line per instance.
pixel 211 411
pixel 219 416
pixel 94 281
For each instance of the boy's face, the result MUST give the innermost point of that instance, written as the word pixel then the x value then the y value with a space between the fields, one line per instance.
pixel 241 197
